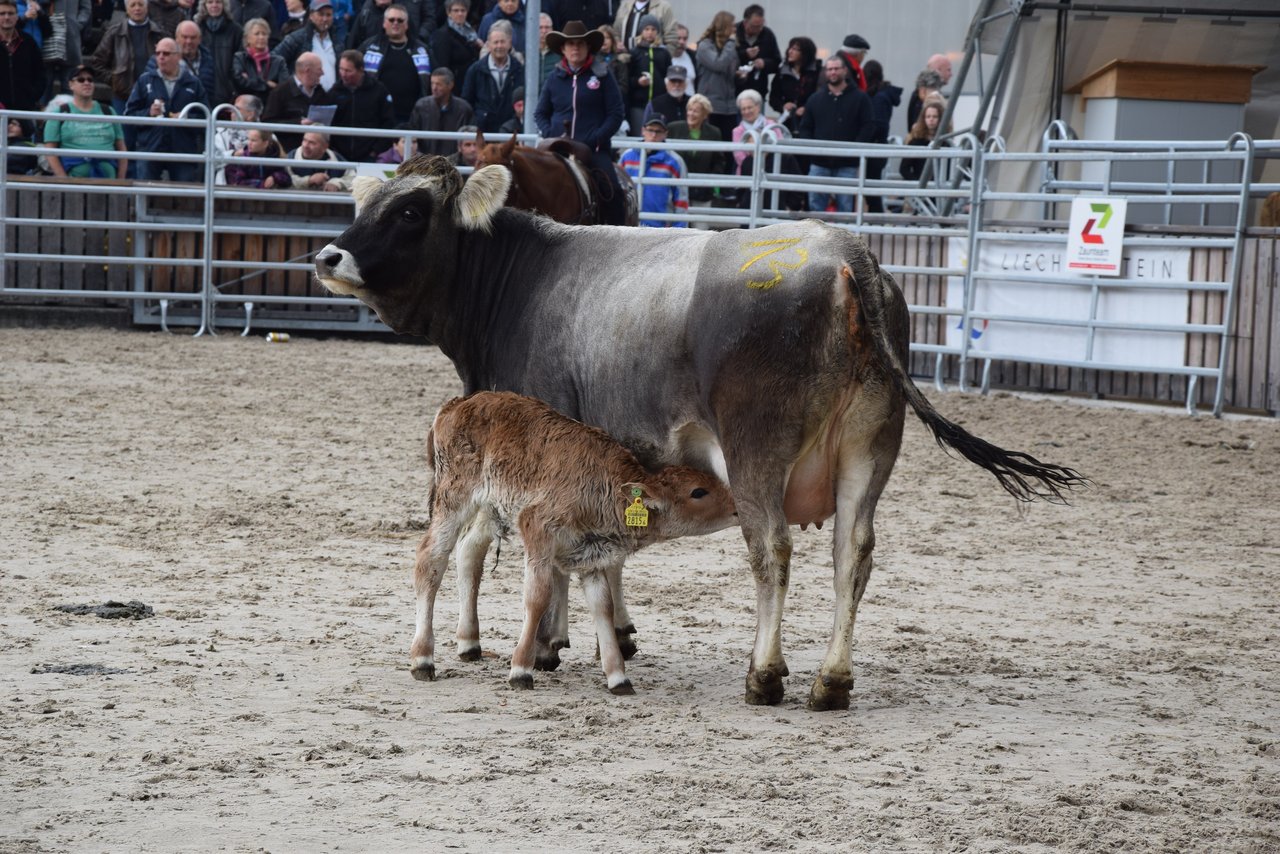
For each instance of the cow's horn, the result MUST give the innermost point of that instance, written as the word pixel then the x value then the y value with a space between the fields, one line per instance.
pixel 481 197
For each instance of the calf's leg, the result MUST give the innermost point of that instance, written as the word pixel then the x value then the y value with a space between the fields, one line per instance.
pixel 596 586
pixel 539 576
pixel 623 628
pixel 432 560
pixel 553 630
pixel 469 557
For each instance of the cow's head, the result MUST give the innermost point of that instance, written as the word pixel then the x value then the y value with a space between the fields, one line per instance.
pixel 405 237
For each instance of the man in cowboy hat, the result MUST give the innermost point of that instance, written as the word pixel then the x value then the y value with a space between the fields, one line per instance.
pixel 581 100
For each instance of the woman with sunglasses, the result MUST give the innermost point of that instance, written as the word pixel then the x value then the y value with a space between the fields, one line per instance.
pixel 84 136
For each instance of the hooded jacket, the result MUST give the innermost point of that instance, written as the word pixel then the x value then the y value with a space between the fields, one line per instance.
pixel 585 105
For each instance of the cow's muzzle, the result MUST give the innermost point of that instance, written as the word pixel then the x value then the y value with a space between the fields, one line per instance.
pixel 336 269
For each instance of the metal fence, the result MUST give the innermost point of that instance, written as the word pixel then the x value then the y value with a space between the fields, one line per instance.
pixel 185 248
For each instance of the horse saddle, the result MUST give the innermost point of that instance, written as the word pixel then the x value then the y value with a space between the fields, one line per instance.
pixel 568 148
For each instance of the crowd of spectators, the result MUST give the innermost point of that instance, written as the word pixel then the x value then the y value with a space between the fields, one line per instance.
pixel 433 65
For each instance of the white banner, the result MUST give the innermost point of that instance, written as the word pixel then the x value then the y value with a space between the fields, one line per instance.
pixel 1031 299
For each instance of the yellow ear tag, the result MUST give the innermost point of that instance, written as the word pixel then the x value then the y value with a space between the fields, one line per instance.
pixel 637 514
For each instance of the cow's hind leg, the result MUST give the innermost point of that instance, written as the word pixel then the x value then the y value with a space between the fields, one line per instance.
pixel 469 557
pixel 863 471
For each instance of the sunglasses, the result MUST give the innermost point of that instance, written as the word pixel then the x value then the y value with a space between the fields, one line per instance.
pixel 81 79
pixel 396 20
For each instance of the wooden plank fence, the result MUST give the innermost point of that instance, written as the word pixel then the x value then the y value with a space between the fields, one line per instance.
pixel 1253 359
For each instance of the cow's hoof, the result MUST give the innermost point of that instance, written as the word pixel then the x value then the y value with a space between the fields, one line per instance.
pixel 523 681
pixel 830 693
pixel 423 672
pixel 622 689
pixel 764 688
pixel 470 653
pixel 627 646
pixel 549 661
pixel 558 645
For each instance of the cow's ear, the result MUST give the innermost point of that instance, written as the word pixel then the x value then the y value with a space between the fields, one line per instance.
pixel 482 195
pixel 362 189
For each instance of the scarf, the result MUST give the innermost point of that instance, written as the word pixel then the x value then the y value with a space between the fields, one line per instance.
pixel 466 31
pixel 261 59
pixel 214 24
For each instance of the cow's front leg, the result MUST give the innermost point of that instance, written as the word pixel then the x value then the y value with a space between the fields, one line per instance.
pixel 623 627
pixel 596 587
pixel 469 557
pixel 769 551
pixel 553 630
pixel 861 478
pixel 432 560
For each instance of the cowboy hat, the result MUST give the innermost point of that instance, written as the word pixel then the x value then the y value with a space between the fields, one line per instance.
pixel 575 30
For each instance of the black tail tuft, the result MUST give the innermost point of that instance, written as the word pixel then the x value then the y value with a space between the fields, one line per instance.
pixel 1022 475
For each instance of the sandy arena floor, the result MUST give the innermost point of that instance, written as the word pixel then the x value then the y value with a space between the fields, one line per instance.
pixel 1098 677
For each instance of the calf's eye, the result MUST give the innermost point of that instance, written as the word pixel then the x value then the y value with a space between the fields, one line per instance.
pixel 410 215
pixel 698 493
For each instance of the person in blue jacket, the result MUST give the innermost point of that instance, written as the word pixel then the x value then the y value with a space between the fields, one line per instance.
pixel 581 100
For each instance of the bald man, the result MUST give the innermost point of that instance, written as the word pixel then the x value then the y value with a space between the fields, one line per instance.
pixel 164 92
pixel 194 57
pixel 291 101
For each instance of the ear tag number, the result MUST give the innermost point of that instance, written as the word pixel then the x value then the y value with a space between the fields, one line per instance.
pixel 637 514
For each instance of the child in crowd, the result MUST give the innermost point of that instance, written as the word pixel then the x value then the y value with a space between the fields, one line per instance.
pixel 260 176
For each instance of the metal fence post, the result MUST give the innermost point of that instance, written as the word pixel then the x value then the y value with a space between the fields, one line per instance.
pixel 207 316
pixel 1242 222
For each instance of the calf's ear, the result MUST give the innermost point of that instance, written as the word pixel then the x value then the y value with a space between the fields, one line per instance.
pixel 483 194
pixel 649 497
pixel 362 189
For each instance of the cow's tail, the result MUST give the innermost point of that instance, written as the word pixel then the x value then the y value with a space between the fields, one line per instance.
pixel 1022 475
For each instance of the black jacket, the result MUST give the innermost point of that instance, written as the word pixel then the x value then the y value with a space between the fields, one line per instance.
pixel 452 51
pixel 882 104
pixel 758 79
pixel 368 106
pixel 846 117
pixel 21 75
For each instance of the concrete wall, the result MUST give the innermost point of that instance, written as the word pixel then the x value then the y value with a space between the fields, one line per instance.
pixel 903 33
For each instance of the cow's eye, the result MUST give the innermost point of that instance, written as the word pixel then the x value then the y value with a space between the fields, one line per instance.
pixel 410 215
pixel 698 493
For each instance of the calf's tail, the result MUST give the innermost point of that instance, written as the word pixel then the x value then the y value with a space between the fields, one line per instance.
pixel 1022 475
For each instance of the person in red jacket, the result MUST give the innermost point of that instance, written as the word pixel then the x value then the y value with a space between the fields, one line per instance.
pixel 852 53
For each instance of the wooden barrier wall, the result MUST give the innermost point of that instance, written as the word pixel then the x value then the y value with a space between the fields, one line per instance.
pixel 1253 365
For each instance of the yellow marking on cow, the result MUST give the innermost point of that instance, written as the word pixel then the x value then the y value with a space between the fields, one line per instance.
pixel 776 266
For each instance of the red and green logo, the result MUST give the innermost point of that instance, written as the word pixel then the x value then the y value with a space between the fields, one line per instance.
pixel 1087 234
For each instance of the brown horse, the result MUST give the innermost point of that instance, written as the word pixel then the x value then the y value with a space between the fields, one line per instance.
pixel 554 180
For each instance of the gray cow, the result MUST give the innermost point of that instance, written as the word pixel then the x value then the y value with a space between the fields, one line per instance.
pixel 774 358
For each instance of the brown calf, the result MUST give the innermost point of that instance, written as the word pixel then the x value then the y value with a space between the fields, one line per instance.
pixel 502 461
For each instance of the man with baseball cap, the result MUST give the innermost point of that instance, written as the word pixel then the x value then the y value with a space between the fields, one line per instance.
pixel 655 198
pixel 670 105
pixel 316 37
pixel 581 100
pixel 852 53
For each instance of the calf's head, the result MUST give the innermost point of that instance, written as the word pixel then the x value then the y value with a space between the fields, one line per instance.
pixel 402 247
pixel 686 502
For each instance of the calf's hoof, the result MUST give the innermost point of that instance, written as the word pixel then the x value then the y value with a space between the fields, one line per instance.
pixel 830 693
pixel 764 687
pixel 423 672
pixel 469 653
pixel 523 681
pixel 547 661
pixel 625 644
pixel 622 689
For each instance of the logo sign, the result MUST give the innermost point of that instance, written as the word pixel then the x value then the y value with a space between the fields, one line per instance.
pixel 1095 239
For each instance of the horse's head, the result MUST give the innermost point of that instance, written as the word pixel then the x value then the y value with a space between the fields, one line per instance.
pixel 494 153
